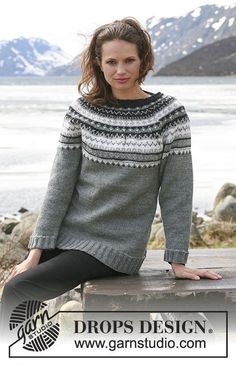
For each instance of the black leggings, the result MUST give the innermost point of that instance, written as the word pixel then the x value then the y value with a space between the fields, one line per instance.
pixel 57 272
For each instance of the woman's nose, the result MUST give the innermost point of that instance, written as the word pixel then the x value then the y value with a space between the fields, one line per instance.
pixel 120 69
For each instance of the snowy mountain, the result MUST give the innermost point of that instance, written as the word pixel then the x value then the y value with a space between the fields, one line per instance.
pixel 215 59
pixel 177 37
pixel 173 39
pixel 70 69
pixel 29 57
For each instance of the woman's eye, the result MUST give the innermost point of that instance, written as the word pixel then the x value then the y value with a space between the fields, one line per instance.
pixel 113 62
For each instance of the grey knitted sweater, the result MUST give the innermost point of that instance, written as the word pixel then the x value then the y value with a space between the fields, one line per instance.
pixel 111 166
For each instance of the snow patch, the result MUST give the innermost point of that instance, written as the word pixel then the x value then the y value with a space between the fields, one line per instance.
pixel 154 21
pixel 57 59
pixel 28 68
pixel 196 13
pixel 231 22
pixel 199 40
pixel 14 50
pixel 19 65
pixel 3 43
pixel 31 43
pixel 208 23
pixel 230 6
pixel 217 25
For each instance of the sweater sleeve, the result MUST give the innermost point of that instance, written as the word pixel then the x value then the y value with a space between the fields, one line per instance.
pixel 62 180
pixel 176 186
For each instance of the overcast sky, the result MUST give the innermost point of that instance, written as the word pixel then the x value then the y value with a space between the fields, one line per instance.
pixel 60 21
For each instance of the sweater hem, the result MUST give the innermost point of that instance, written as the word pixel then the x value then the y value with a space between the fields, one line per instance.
pixel 115 259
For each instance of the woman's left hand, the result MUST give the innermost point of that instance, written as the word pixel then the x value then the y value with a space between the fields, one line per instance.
pixel 183 272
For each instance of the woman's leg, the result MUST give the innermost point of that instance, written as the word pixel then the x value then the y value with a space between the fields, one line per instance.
pixel 57 272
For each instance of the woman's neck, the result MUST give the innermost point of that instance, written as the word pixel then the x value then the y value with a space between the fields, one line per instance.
pixel 130 94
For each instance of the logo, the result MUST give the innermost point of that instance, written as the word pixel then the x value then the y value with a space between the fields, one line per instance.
pixel 34 326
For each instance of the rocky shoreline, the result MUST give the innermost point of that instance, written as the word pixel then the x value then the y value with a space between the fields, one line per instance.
pixel 215 228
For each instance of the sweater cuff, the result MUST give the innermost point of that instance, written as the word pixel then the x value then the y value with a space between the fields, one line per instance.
pixel 177 256
pixel 43 242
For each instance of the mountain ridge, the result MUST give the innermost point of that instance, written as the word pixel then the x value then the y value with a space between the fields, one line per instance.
pixel 216 59
pixel 29 57
pixel 176 37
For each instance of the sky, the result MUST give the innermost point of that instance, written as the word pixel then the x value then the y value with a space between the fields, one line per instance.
pixel 69 23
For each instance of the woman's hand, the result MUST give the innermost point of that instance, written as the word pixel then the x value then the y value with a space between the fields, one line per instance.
pixel 31 261
pixel 184 272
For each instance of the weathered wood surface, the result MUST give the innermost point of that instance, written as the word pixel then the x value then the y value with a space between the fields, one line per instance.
pixel 155 288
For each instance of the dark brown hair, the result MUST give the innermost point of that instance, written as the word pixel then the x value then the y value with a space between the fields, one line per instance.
pixel 98 91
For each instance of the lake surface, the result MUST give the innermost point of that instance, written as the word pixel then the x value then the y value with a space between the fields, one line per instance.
pixel 31 115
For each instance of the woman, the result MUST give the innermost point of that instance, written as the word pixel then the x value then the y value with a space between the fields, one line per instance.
pixel 121 147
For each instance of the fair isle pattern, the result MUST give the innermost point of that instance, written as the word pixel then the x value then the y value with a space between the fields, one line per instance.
pixel 140 135
pixel 70 136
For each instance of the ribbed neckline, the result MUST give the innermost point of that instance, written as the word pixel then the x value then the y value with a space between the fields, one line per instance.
pixel 138 102
pixel 129 103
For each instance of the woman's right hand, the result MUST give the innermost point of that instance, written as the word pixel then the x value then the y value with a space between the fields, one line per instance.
pixel 31 261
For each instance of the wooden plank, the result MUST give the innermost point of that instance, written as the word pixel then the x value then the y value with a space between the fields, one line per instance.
pixel 155 286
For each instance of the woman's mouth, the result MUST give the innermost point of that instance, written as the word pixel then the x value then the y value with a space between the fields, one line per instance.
pixel 122 80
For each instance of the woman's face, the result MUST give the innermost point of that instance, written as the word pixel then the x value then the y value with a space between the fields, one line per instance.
pixel 120 64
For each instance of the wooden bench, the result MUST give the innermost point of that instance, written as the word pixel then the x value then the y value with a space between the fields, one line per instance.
pixel 155 288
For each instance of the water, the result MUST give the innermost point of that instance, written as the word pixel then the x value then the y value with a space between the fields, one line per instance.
pixel 31 115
